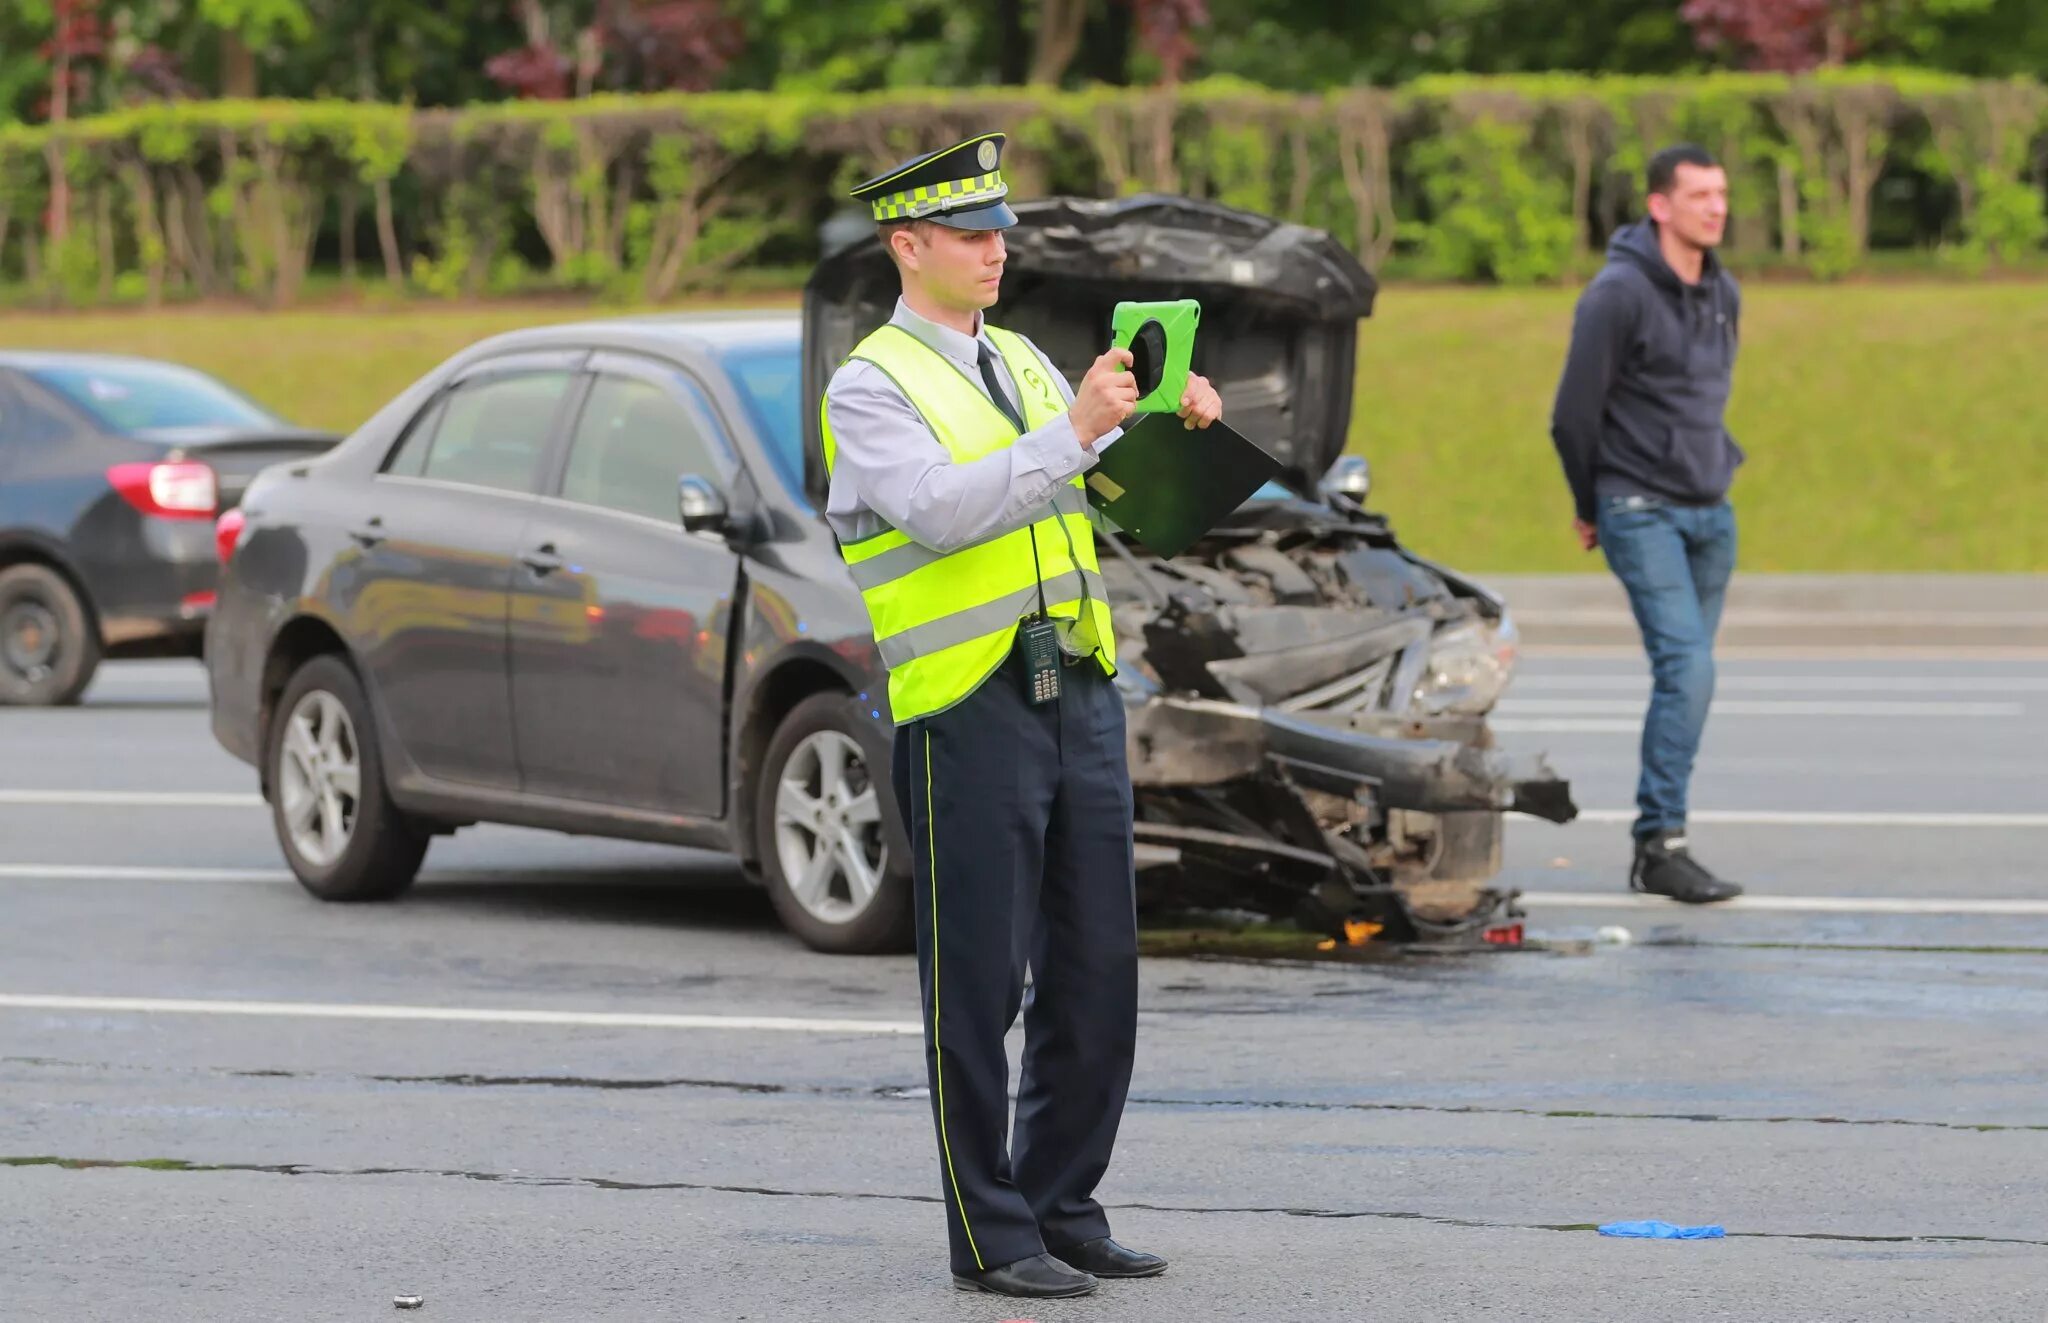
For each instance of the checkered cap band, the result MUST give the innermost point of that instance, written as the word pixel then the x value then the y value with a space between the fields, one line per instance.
pixel 949 196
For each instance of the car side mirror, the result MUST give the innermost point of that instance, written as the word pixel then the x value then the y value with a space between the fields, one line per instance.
pixel 701 505
pixel 1350 476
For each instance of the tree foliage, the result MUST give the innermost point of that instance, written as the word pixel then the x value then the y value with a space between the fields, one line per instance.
pixel 1796 35
pixel 1516 179
pixel 442 54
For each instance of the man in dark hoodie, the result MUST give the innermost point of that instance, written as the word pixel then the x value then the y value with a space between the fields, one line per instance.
pixel 1638 426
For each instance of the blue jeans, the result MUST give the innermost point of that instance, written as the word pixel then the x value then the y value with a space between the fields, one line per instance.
pixel 1675 561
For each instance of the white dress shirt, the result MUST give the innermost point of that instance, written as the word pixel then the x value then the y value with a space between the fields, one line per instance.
pixel 890 471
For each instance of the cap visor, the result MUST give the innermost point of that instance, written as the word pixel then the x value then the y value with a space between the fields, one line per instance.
pixel 994 216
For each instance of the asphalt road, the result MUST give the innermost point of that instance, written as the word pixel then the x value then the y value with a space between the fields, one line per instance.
pixel 452 1096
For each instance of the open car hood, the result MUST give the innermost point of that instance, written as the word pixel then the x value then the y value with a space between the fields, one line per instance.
pixel 1280 309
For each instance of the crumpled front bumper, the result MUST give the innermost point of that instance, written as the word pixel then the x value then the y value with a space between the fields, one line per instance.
pixel 1333 821
pixel 1431 765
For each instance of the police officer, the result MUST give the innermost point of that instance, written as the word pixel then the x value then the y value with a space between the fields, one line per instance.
pixel 956 451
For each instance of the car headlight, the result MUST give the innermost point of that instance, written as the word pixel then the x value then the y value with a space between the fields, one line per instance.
pixel 1470 665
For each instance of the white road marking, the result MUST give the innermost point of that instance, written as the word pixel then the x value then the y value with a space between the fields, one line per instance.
pixel 455 1014
pixel 1753 617
pixel 133 798
pixel 1832 818
pixel 122 873
pixel 1790 904
pixel 1806 652
pixel 1564 726
pixel 1755 707
pixel 1827 684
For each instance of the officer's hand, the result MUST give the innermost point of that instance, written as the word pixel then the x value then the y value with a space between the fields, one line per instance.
pixel 1108 394
pixel 1589 536
pixel 1200 405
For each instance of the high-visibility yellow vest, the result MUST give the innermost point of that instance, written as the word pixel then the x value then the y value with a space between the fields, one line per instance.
pixel 945 620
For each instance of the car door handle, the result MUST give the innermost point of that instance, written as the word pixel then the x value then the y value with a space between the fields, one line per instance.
pixel 542 559
pixel 371 533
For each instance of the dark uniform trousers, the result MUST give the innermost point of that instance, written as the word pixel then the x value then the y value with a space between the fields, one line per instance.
pixel 1020 824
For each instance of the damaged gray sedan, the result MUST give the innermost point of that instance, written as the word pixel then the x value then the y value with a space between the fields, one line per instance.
pixel 575 578
pixel 1307 699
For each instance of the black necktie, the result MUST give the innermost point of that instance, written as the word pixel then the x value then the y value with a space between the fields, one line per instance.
pixel 996 392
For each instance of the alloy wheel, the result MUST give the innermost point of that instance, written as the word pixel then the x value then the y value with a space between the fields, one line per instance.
pixel 828 828
pixel 320 778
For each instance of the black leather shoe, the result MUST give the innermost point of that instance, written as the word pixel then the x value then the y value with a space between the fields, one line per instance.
pixel 1041 1277
pixel 1105 1258
pixel 1665 867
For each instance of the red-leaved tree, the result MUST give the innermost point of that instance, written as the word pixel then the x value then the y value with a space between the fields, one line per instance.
pixel 1163 29
pixel 537 71
pixel 77 34
pixel 1789 36
pixel 647 45
pixel 532 72
pixel 680 45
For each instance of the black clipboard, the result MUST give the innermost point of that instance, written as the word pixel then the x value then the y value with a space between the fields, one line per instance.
pixel 1167 484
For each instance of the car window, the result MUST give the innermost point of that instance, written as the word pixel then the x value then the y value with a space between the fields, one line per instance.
pixel 633 442
pixel 136 398
pixel 408 459
pixel 23 424
pixel 769 380
pixel 492 432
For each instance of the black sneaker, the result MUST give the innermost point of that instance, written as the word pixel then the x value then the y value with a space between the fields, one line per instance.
pixel 1665 867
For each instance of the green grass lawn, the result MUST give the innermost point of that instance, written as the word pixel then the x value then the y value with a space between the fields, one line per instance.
pixel 1889 426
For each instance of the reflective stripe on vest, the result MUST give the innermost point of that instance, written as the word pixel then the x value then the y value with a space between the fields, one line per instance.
pixel 944 620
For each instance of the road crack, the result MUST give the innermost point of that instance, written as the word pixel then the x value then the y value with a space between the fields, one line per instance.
pixel 180 1165
pixel 898 1092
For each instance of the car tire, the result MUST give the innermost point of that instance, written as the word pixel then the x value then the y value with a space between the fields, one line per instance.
pixel 342 846
pixel 49 647
pixel 825 788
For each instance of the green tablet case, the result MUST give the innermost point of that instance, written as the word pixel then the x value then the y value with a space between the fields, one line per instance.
pixel 1161 338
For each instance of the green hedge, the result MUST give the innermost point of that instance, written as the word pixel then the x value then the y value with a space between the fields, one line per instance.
pixel 1500 179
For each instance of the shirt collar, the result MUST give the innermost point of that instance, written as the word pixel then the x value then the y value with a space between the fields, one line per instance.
pixel 960 348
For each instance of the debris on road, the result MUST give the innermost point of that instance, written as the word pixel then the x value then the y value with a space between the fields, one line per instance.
pixel 1661 1231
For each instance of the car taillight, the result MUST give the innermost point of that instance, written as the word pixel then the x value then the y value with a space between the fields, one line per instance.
pixel 227 531
pixel 178 490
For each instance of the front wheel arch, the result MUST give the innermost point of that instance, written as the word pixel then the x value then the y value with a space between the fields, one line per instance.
pixel 45 582
pixel 301 640
pixel 381 851
pixel 36 552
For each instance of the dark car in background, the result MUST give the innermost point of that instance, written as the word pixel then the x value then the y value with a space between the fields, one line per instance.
pixel 575 578
pixel 112 473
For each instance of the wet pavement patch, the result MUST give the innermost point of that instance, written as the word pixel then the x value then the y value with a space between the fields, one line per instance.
pixel 1280 944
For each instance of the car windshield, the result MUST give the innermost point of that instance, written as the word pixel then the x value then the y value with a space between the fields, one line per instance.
pixel 138 398
pixel 769 379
